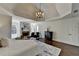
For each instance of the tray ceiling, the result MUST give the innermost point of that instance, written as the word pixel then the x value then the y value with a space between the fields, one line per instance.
pixel 27 10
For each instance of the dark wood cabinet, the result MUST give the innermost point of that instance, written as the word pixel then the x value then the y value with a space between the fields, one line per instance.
pixel 48 35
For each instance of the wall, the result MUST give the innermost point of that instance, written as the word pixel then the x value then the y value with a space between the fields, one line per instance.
pixel 16 20
pixel 65 30
pixel 35 26
pixel 5 26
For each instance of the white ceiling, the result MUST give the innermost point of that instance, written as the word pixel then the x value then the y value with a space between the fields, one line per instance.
pixel 27 10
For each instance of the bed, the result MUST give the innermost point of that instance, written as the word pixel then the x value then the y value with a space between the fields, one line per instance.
pixel 20 48
pixel 29 48
pixel 47 50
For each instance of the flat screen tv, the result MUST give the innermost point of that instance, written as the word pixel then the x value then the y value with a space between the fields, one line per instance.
pixel 5 26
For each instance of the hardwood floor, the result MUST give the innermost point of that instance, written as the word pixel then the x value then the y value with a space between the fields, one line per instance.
pixel 67 50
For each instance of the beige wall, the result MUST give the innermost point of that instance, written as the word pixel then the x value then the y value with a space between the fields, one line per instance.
pixel 5 26
pixel 16 21
pixel 65 30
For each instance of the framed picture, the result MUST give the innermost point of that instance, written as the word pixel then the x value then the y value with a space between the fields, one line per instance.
pixel 25 26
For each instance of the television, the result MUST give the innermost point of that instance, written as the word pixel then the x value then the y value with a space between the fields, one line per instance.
pixel 5 26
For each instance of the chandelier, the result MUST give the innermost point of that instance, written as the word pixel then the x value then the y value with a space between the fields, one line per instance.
pixel 39 14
